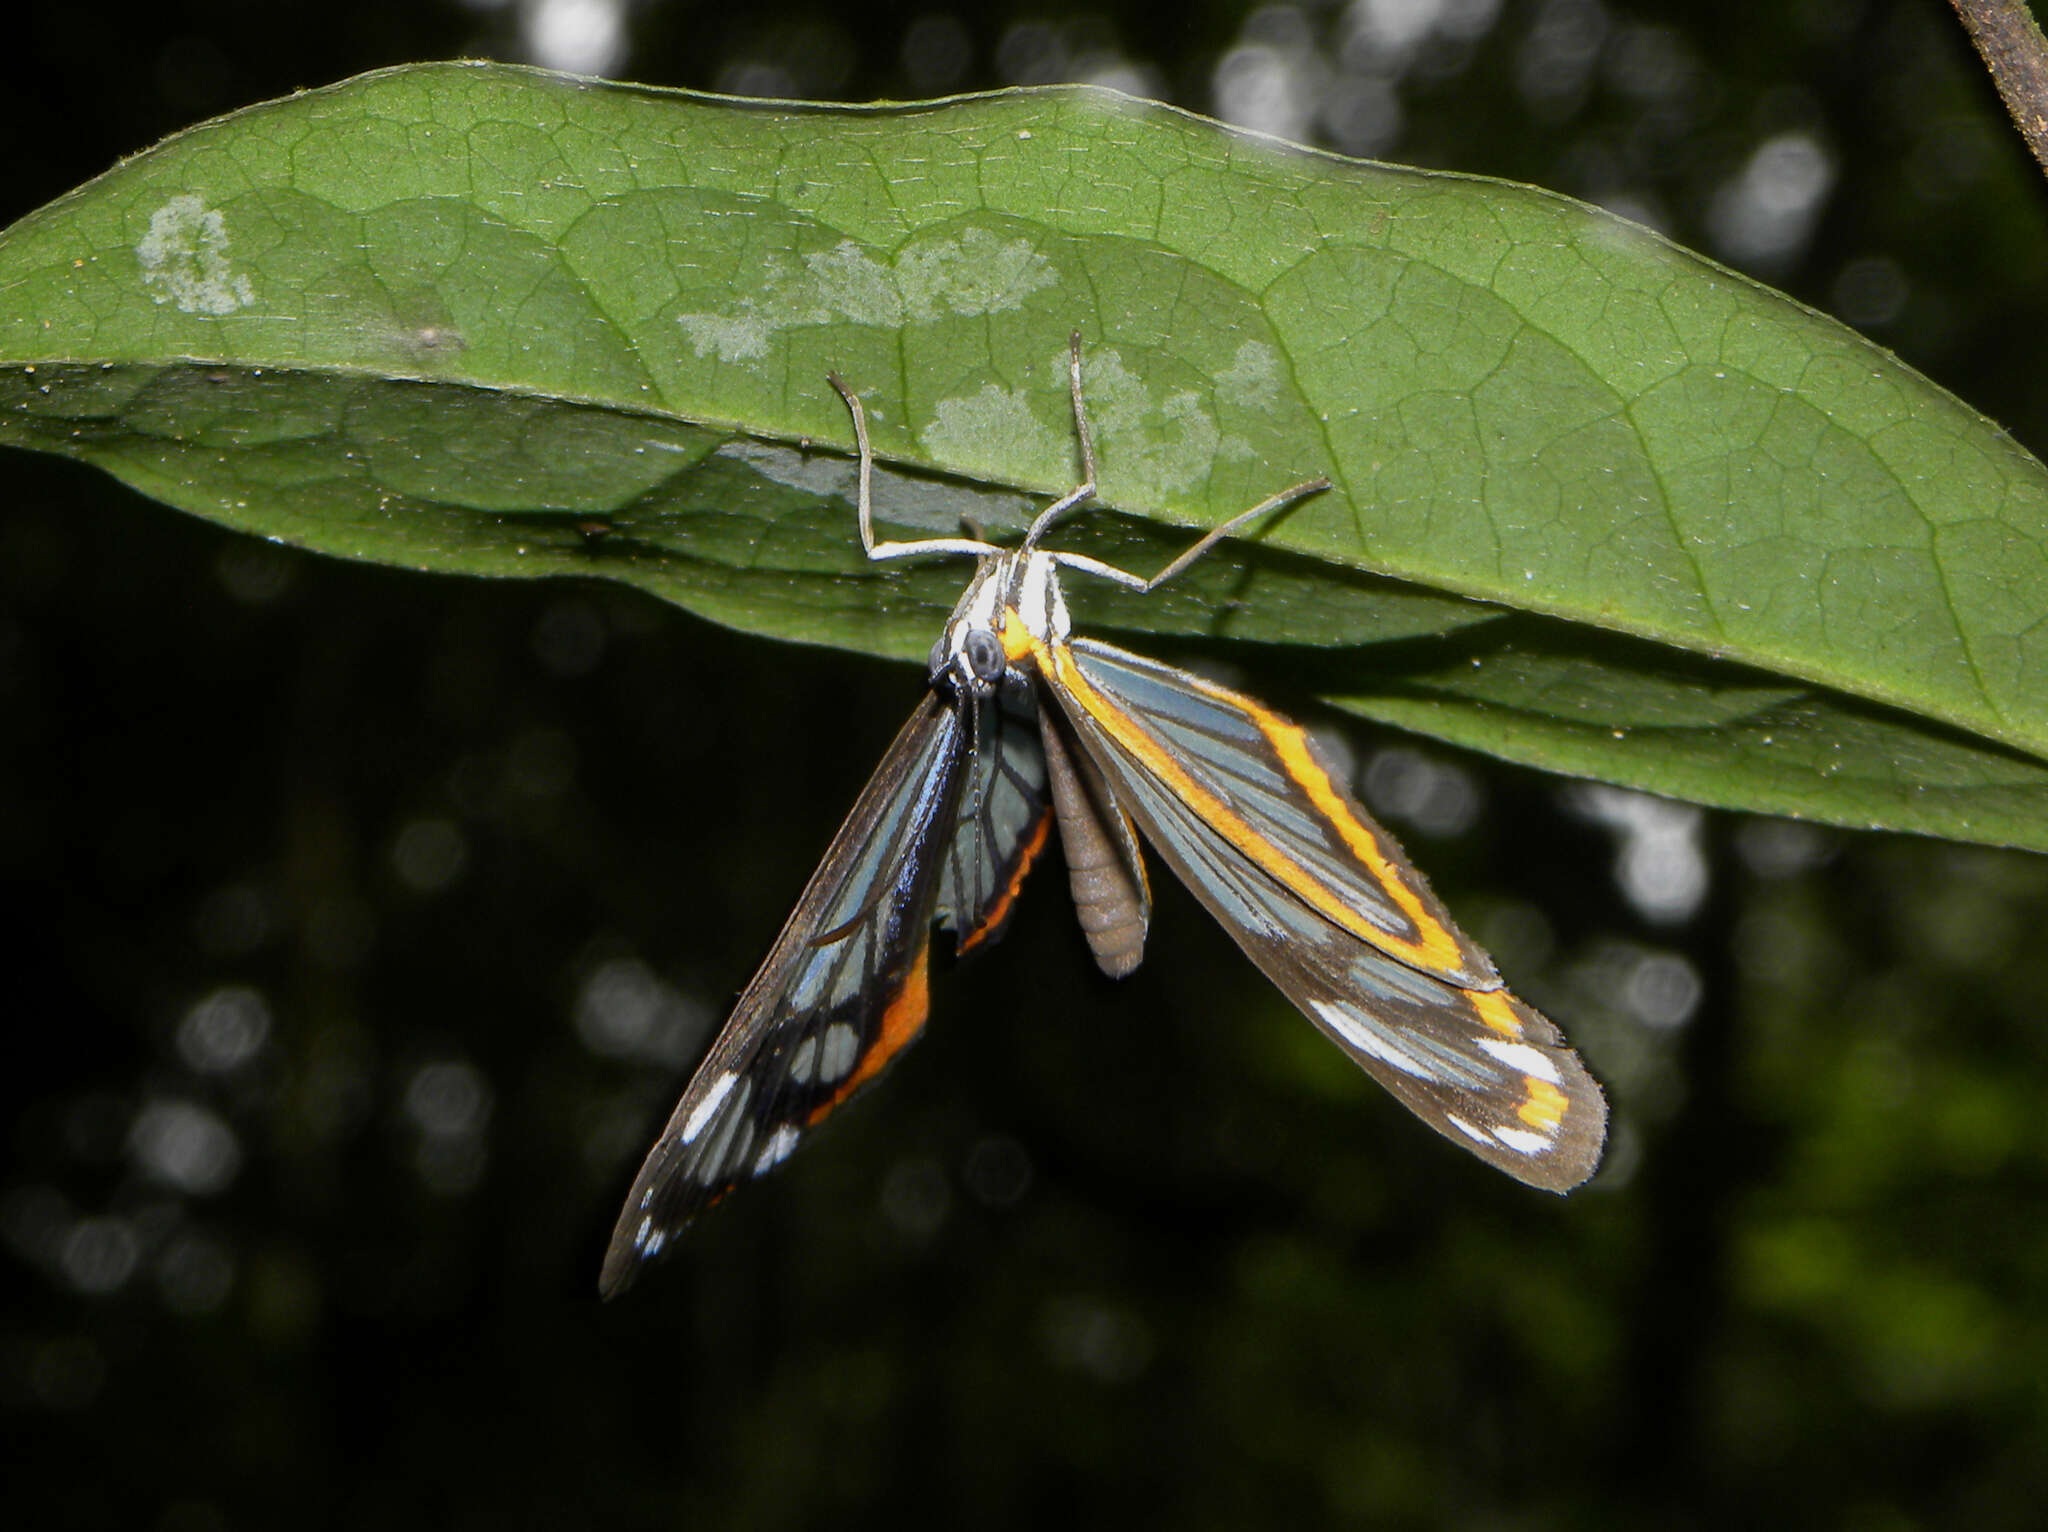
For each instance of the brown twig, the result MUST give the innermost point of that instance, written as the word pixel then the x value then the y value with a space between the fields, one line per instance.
pixel 2010 41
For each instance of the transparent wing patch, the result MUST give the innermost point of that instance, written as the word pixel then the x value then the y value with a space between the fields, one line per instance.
pixel 1002 820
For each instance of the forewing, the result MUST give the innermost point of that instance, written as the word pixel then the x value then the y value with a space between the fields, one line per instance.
pixel 842 992
pixel 1002 821
pixel 1254 778
pixel 1482 1068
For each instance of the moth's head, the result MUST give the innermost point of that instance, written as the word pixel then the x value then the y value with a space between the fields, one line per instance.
pixel 1013 594
pixel 969 652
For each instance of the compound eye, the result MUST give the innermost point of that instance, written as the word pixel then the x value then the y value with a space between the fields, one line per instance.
pixel 984 653
pixel 938 659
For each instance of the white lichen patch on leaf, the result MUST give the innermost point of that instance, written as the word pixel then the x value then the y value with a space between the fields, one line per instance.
pixel 184 259
pixel 975 274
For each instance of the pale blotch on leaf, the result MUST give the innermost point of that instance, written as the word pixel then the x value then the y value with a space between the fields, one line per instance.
pixel 421 333
pixel 993 431
pixel 975 274
pixel 1172 442
pixel 738 337
pixel 815 473
pixel 935 507
pixel 844 282
pixel 184 259
pixel 1253 377
pixel 979 273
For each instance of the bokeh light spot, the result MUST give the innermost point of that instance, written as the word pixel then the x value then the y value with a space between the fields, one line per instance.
pixel 224 1029
pixel 186 1146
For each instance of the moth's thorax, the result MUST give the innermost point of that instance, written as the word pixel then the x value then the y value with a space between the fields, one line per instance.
pixel 1025 583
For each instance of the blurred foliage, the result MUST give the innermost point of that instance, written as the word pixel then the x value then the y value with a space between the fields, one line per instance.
pixel 361 924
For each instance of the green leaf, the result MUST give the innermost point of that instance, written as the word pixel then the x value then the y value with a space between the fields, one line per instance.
pixel 492 321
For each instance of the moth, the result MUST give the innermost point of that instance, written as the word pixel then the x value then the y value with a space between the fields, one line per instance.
pixel 1024 725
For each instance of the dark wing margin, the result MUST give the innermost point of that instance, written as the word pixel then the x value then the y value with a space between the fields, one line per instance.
pixel 1472 1061
pixel 842 992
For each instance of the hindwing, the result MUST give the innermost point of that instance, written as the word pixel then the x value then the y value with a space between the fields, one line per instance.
pixel 1003 817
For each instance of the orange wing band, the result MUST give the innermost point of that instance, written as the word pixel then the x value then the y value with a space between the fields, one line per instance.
pixel 1000 910
pixel 902 1019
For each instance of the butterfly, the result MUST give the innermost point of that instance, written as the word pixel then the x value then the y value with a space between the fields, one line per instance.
pixel 1024 726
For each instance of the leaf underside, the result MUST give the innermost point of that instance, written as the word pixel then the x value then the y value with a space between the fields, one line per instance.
pixel 1600 505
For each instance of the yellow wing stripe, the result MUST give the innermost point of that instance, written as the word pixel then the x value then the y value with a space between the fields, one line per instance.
pixel 1437 950
pixel 1545 1108
pixel 1497 1009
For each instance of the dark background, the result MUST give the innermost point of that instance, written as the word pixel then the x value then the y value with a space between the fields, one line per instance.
pixel 357 928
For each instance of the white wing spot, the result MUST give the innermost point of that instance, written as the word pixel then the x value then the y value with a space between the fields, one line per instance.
pixel 1367 1041
pixel 836 1056
pixel 654 1245
pixel 640 1234
pixel 776 1150
pixel 708 1107
pixel 803 1061
pixel 1475 1134
pixel 184 260
pixel 1523 1058
pixel 1522 1142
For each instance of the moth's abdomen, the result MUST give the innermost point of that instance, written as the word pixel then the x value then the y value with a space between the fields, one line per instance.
pixel 1104 870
